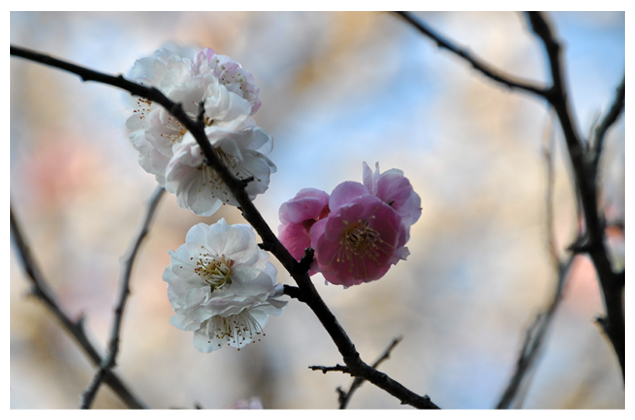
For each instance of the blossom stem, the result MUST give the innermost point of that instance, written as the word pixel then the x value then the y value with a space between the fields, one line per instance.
pixel 336 368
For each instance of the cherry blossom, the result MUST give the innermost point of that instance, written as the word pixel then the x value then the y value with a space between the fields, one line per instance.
pixel 199 188
pixel 230 74
pixel 358 232
pixel 168 151
pixel 357 242
pixel 222 286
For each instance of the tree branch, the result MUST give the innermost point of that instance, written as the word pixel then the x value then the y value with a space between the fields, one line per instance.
pixel 293 292
pixel 585 174
pixel 299 273
pixel 585 178
pixel 479 65
pixel 345 397
pixel 124 290
pixel 538 330
pixel 615 110
pixel 336 368
pixel 74 328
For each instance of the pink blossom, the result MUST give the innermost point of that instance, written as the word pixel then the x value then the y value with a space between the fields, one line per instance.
pixel 394 189
pixel 298 216
pixel 359 239
pixel 358 232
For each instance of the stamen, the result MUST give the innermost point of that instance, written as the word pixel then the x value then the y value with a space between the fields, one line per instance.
pixel 217 185
pixel 360 243
pixel 216 273
pixel 240 329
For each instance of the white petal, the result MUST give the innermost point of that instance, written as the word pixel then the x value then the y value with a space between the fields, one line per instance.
pixel 205 340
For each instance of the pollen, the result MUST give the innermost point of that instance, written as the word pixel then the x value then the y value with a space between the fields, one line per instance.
pixel 360 245
pixel 360 239
pixel 216 272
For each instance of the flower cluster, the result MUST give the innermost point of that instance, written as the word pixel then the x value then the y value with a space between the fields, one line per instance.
pixel 220 283
pixel 169 152
pixel 222 286
pixel 357 232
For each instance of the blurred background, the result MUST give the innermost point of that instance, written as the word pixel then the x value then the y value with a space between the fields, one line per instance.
pixel 337 89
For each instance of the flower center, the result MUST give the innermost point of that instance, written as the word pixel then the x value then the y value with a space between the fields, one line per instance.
pixel 360 245
pixel 216 273
pixel 175 130
pixel 359 239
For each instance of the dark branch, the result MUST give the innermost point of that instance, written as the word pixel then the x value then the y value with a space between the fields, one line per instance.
pixel 293 292
pixel 585 174
pixel 75 329
pixel 124 291
pixel 307 259
pixel 312 298
pixel 200 118
pixel 479 65
pixel 609 119
pixel 345 397
pixel 336 368
pixel 586 183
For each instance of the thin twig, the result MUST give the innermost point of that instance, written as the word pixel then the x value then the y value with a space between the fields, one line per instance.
pixel 345 397
pixel 593 241
pixel 40 289
pixel 615 110
pixel 479 65
pixel 537 331
pixel 336 368
pixel 237 186
pixel 124 291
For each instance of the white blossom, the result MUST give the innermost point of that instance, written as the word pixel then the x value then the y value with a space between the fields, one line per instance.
pixel 199 188
pixel 222 286
pixel 168 151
